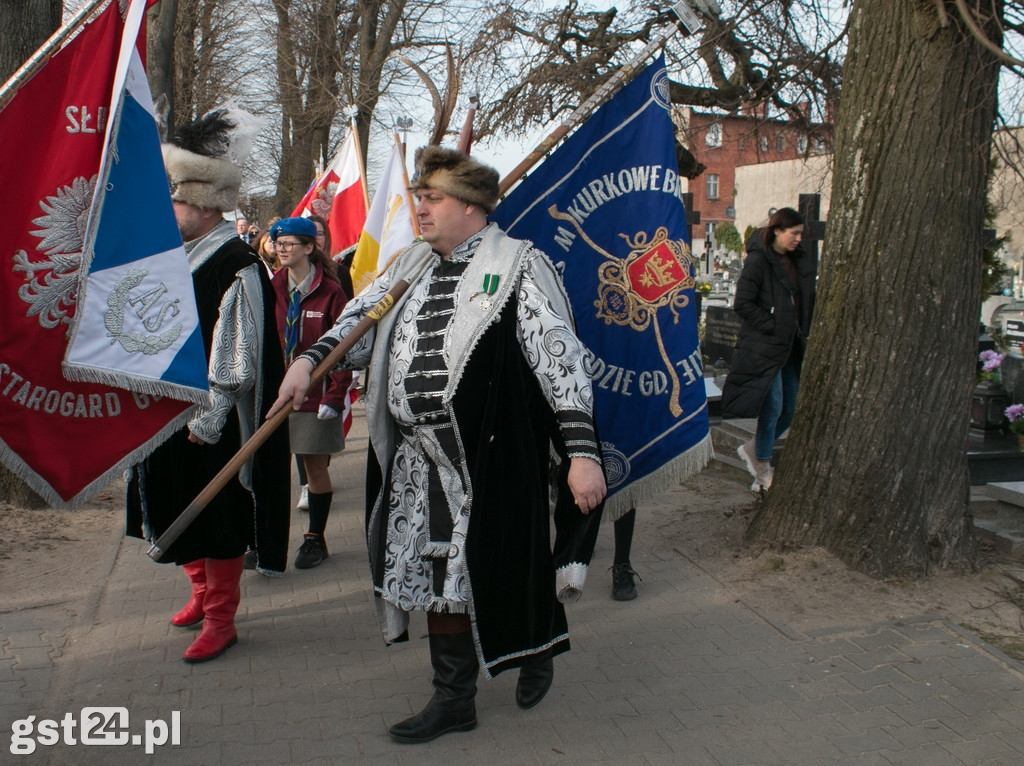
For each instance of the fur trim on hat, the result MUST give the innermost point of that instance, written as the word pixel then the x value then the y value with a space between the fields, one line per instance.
pixel 454 173
pixel 207 182
pixel 204 158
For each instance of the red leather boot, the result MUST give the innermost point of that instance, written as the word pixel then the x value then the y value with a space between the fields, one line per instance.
pixel 192 613
pixel 223 593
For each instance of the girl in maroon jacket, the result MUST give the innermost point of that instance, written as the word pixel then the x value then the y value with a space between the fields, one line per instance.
pixel 309 300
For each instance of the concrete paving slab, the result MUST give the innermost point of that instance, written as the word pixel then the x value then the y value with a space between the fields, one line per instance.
pixel 683 674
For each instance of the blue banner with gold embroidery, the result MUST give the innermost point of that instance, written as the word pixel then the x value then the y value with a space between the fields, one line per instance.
pixel 607 207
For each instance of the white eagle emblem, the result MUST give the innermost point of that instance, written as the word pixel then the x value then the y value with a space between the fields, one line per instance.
pixel 51 284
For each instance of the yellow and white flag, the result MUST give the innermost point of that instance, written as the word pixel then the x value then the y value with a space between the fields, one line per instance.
pixel 390 224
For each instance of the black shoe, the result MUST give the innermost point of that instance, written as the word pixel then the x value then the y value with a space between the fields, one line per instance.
pixel 312 552
pixel 453 657
pixel 623 587
pixel 535 677
pixel 438 717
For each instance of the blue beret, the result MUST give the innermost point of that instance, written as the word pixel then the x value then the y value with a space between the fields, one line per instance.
pixel 302 226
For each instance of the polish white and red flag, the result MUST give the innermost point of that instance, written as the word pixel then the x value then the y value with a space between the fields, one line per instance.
pixel 339 196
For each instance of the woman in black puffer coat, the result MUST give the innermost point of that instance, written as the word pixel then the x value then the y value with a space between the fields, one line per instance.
pixel 775 299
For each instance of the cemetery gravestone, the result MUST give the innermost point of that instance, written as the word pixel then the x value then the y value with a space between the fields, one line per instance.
pixel 1013 331
pixel 721 328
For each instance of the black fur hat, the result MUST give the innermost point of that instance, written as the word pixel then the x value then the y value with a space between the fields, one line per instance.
pixel 456 174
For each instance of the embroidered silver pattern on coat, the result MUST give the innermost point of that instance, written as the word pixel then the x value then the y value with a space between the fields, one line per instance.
pixel 552 350
pixel 426 473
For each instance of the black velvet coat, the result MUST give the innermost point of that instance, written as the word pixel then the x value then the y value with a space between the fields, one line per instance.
pixel 167 481
pixel 772 329
pixel 507 430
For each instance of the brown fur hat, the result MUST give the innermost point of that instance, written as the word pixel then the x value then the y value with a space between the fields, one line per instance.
pixel 452 172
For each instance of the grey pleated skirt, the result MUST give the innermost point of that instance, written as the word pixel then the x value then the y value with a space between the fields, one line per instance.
pixel 310 436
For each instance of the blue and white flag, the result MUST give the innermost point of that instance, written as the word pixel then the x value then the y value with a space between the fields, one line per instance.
pixel 136 325
pixel 607 208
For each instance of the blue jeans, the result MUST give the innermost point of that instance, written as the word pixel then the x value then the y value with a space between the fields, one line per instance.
pixel 777 410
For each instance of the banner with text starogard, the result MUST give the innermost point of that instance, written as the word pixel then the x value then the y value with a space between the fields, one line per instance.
pixel 606 206
pixel 65 439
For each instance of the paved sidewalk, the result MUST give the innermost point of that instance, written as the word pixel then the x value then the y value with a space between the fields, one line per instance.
pixel 685 674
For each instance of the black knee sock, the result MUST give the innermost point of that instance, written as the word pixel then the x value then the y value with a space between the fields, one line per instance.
pixel 623 536
pixel 319 509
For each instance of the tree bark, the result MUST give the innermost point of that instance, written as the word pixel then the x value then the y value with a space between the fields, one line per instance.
pixel 185 60
pixel 375 44
pixel 874 468
pixel 25 25
pixel 308 64
pixel 160 58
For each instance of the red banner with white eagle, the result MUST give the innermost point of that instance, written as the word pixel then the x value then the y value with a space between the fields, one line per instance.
pixel 66 439
pixel 339 197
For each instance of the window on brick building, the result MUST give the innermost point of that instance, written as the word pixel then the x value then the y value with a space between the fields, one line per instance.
pixel 763 142
pixel 779 144
pixel 712 186
pixel 801 145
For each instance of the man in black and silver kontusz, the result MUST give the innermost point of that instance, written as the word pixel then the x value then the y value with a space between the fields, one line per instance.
pixel 474 376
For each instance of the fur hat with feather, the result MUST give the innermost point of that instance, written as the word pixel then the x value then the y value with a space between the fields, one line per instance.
pixel 204 159
pixel 452 172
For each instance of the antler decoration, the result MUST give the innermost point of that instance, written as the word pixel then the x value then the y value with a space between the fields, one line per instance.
pixel 444 106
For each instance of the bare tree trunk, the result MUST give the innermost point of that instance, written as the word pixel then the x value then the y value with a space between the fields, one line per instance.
pixel 308 95
pixel 295 172
pixel 16 492
pixel 375 45
pixel 160 56
pixel 185 62
pixel 874 468
pixel 24 26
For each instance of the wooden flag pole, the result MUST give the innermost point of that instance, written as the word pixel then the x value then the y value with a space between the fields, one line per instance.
pixel 362 165
pixel 45 52
pixel 408 192
pixel 180 524
pixel 687 23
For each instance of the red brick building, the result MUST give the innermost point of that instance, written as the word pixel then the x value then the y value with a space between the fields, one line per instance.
pixel 721 143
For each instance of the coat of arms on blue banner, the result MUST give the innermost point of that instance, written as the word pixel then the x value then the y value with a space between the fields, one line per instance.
pixel 607 207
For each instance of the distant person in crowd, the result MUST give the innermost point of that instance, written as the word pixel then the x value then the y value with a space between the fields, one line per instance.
pixel 242 229
pixel 475 375
pixel 775 296
pixel 309 300
pixel 236 314
pixel 323 243
pixel 268 253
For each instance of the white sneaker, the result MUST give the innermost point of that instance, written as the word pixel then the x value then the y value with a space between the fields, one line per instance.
pixel 765 474
pixel 303 504
pixel 748 456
